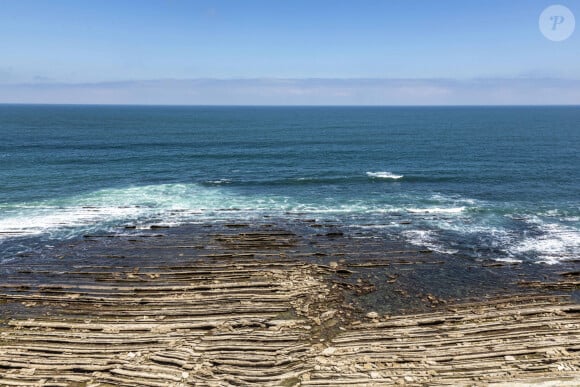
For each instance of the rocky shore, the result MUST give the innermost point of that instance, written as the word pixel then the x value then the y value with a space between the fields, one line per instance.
pixel 280 303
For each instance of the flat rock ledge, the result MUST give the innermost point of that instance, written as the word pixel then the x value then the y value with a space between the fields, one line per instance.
pixel 237 320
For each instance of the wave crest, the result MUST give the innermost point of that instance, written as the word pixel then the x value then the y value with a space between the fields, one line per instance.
pixel 384 175
pixel 436 210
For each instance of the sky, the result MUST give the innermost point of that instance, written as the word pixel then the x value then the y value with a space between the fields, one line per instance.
pixel 316 52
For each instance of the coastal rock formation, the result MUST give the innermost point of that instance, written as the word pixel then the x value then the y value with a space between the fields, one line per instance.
pixel 244 308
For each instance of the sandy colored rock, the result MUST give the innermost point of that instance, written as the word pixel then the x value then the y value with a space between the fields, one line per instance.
pixel 269 319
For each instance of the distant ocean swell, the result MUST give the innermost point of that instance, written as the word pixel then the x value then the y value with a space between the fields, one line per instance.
pixel 446 224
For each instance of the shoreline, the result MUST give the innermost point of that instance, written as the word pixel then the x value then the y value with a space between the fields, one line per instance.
pixel 280 303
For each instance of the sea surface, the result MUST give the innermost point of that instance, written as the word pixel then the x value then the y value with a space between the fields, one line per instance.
pixel 498 183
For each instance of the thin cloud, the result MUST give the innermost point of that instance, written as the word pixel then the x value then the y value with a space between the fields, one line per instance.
pixel 313 91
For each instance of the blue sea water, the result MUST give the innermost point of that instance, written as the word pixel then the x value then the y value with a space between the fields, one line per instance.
pixel 483 182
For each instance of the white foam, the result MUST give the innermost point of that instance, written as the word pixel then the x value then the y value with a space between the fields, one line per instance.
pixel 456 200
pixel 384 175
pixel 41 220
pixel 173 203
pixel 508 260
pixel 436 210
pixel 219 181
pixel 426 238
pixel 557 243
pixel 571 219
pixel 374 226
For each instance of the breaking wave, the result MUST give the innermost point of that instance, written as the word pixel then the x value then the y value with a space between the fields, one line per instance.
pixel 384 175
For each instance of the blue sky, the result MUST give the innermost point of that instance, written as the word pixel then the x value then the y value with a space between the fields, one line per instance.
pixel 284 52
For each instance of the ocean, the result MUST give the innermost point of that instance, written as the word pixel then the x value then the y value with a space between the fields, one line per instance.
pixel 500 183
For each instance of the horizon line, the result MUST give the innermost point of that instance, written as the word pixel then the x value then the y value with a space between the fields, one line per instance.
pixel 281 105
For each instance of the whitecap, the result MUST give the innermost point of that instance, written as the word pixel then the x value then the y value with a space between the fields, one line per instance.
pixel 384 175
pixel 219 181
